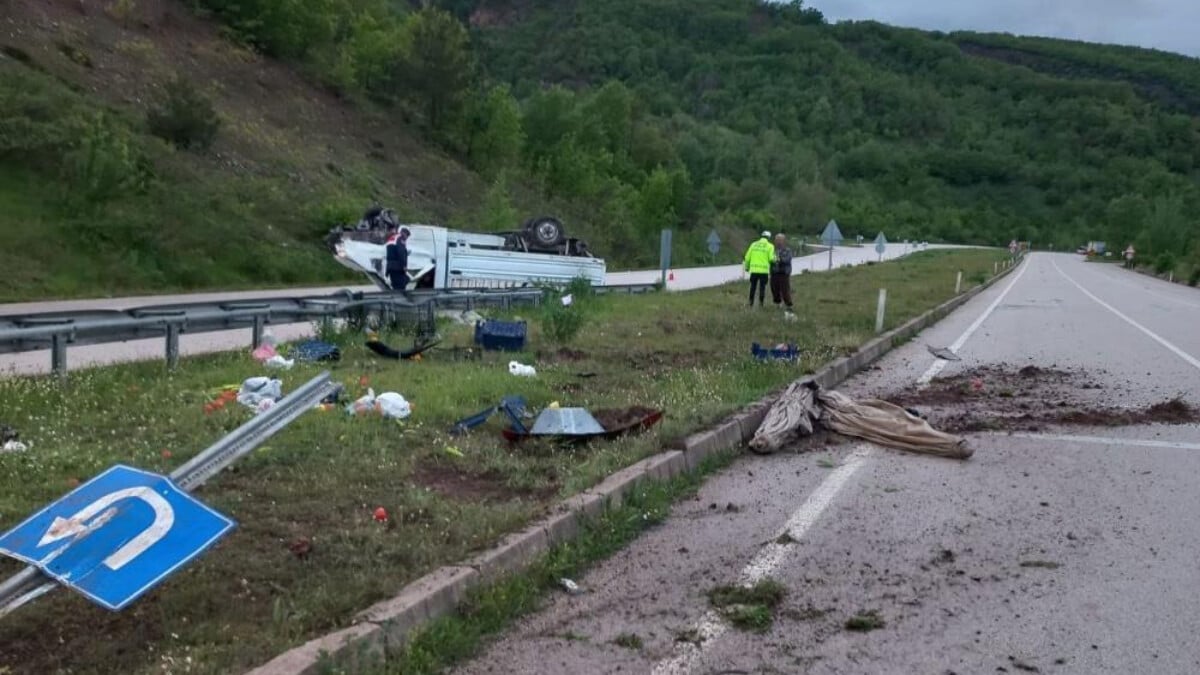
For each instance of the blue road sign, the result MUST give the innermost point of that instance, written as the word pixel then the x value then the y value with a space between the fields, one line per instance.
pixel 714 242
pixel 832 236
pixel 880 244
pixel 116 536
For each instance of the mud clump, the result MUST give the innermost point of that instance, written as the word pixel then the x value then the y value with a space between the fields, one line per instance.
pixel 619 419
pixel 453 484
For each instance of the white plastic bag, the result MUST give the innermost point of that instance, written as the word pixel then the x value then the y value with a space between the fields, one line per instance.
pixel 14 446
pixel 255 390
pixel 363 405
pixel 278 361
pixel 393 405
pixel 521 370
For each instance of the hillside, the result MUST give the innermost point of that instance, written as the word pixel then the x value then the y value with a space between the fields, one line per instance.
pixel 622 117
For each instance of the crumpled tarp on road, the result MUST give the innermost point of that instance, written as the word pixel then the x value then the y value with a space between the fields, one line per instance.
pixel 804 404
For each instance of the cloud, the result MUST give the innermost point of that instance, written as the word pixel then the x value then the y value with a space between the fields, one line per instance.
pixel 1171 25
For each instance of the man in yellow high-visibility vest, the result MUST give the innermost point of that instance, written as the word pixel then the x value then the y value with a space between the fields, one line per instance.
pixel 759 257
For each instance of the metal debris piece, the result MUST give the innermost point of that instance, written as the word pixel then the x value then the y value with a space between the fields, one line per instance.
pixel 566 422
pixel 943 353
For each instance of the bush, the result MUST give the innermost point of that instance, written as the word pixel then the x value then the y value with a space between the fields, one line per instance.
pixel 184 116
pixel 1165 262
pixel 105 163
pixel 1194 278
pixel 561 323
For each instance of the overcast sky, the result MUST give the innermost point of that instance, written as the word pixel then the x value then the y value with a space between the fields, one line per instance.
pixel 1171 25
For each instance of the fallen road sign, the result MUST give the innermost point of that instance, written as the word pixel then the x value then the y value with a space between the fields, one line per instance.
pixel 117 535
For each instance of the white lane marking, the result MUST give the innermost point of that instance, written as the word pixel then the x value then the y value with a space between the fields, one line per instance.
pixel 939 364
pixel 1119 277
pixel 711 626
pixel 1100 440
pixel 1151 334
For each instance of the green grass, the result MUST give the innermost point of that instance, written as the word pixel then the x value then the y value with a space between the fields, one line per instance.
pixel 321 479
pixel 490 610
pixel 865 622
pixel 749 608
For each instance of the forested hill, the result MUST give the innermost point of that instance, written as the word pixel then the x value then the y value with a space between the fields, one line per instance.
pixel 153 145
pixel 773 115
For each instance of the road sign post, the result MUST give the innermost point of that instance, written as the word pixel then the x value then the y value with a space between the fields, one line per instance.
pixel 714 244
pixel 664 254
pixel 832 236
pixel 116 536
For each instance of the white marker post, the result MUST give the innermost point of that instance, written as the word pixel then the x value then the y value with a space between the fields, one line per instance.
pixel 958 283
pixel 995 268
pixel 879 311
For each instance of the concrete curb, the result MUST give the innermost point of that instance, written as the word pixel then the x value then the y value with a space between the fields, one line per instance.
pixel 386 626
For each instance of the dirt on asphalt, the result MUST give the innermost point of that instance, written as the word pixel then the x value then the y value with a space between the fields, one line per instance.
pixel 993 398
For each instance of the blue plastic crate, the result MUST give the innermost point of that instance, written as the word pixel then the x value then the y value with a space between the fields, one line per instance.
pixel 791 353
pixel 500 335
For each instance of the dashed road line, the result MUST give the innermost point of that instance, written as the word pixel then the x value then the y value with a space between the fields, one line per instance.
pixel 939 364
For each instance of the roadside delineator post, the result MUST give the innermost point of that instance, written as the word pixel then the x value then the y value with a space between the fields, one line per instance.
pixel 995 268
pixel 879 311
pixel 958 283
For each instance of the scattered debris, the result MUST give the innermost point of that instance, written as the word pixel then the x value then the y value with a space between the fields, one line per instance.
pixel 826 463
pixel 618 419
pixel 393 406
pixel 13 446
pixel 785 539
pixel 465 317
pixel 11 440
pixel 387 352
pixel 865 622
pixel 749 608
pixel 300 547
pixel 628 641
pixel 316 350
pixel 570 586
pixel 259 393
pixel 944 556
pixel 805 403
pixel 1045 564
pixel 364 404
pixel 380 515
pixel 521 370
pixel 277 362
pixel 943 353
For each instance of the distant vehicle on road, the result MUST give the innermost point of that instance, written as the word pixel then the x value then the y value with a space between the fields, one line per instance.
pixel 441 258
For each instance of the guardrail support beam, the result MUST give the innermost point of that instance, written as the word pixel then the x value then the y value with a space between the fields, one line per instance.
pixel 256 336
pixel 172 346
pixel 58 355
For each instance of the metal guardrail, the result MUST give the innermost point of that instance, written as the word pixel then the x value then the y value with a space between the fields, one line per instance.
pixel 30 583
pixel 56 330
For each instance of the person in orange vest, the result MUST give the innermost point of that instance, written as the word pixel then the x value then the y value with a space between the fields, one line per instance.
pixel 758 260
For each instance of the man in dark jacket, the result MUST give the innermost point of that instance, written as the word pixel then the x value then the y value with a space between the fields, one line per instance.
pixel 781 273
pixel 397 259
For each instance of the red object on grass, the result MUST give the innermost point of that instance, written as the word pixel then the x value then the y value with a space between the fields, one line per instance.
pixel 381 514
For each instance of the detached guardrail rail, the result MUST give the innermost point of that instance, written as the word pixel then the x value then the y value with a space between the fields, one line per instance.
pixel 58 330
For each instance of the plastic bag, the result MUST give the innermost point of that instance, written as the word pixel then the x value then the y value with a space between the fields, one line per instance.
pixel 521 370
pixel 278 361
pixel 362 405
pixel 255 390
pixel 13 446
pixel 264 352
pixel 393 405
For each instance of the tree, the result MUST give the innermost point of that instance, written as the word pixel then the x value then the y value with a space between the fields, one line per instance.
pixel 498 212
pixel 435 66
pixel 497 136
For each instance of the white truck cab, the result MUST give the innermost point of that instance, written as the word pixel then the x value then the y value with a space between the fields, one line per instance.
pixel 441 258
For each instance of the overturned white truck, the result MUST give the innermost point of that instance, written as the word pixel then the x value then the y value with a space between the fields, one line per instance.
pixel 440 258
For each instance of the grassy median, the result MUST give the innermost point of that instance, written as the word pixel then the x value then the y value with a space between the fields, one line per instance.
pixel 307 553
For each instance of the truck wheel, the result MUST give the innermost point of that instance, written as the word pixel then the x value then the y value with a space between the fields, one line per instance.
pixel 544 232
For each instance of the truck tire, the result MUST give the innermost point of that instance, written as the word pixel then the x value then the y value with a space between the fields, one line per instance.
pixel 544 232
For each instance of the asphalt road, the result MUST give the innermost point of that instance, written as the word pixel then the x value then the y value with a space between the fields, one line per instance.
pixel 1056 548
pixel 36 362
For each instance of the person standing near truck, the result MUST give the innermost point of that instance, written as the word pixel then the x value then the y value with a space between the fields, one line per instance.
pixel 397 260
pixel 781 273
pixel 759 258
